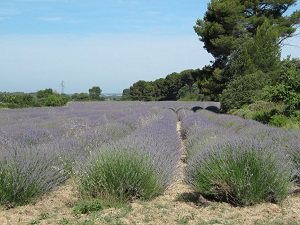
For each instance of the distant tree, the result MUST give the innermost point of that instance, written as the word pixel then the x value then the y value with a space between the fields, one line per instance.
pixel 173 83
pixel 142 91
pixel 80 96
pixel 126 94
pixel 94 93
pixel 44 93
pixel 187 93
pixel 160 89
pixel 54 100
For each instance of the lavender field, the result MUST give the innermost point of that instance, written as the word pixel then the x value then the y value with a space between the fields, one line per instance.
pixel 131 150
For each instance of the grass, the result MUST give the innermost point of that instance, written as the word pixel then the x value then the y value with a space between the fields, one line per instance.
pixel 88 206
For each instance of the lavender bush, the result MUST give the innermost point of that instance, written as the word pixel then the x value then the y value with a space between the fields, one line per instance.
pixel 27 173
pixel 120 175
pixel 139 166
pixel 40 148
pixel 242 172
pixel 230 167
pixel 287 140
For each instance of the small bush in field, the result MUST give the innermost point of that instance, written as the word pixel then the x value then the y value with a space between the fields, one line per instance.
pixel 120 176
pixel 242 173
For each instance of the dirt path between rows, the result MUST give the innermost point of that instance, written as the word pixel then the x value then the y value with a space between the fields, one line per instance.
pixel 178 205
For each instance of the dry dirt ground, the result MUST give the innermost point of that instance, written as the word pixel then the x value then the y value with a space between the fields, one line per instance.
pixel 178 205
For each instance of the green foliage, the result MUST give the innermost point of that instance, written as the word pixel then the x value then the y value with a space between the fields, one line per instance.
pixel 228 23
pixel 244 90
pixel 53 100
pixel 211 81
pixel 286 85
pixel 44 93
pixel 120 176
pixel 278 120
pixel 187 93
pixel 261 53
pixel 18 100
pixel 88 206
pixel 94 93
pixel 142 91
pixel 42 98
pixel 125 94
pixel 80 96
pixel 263 116
pixel 173 87
pixel 242 175
pixel 48 97
pixel 222 19
pixel 271 113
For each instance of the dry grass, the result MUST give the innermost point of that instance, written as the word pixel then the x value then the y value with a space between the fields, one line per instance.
pixel 178 205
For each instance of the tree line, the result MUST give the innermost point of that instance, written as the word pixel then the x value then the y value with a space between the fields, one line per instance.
pixel 47 97
pixel 191 84
pixel 245 39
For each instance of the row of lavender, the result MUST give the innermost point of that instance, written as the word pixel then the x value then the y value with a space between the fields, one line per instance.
pixel 237 160
pixel 42 147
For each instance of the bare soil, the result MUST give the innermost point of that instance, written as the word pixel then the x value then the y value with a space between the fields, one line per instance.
pixel 178 205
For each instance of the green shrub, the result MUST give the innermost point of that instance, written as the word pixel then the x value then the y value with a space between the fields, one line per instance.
pixel 120 176
pixel 262 116
pixel 240 173
pixel 243 90
pixel 279 120
pixel 244 112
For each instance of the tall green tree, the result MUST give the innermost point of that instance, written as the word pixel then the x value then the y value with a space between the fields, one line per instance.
pixel 227 24
pixel 260 53
pixel 254 67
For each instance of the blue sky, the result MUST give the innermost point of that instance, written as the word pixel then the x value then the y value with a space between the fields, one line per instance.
pixel 106 43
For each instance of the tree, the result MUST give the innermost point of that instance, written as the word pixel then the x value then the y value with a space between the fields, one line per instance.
pixel 253 69
pixel 160 89
pixel 94 93
pixel 244 90
pixel 227 24
pixel 261 52
pixel 41 94
pixel 173 83
pixel 286 86
pixel 142 91
pixel 187 93
pixel 126 94
pixel 81 96
pixel 54 100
